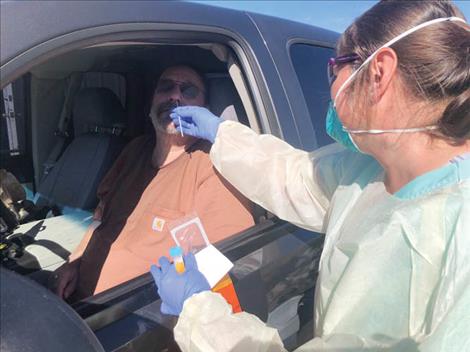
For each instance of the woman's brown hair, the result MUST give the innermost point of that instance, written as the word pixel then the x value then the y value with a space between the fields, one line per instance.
pixel 433 62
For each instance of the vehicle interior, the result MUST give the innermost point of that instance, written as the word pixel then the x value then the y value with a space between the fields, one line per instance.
pixel 84 107
pixel 67 120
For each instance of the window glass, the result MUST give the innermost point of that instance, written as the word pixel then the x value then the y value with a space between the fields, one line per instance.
pixel 310 63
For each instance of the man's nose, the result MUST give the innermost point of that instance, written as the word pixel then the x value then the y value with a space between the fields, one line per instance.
pixel 175 94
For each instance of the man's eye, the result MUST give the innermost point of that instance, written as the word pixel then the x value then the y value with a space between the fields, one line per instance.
pixel 190 91
pixel 165 87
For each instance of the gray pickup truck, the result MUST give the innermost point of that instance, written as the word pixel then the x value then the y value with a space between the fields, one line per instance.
pixel 265 72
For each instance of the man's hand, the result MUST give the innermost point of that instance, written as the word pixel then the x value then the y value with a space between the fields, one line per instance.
pixel 63 281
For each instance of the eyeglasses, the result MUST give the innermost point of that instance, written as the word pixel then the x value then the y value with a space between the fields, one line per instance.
pixel 335 63
pixel 188 90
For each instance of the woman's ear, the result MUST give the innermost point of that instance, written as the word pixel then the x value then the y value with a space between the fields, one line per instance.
pixel 383 70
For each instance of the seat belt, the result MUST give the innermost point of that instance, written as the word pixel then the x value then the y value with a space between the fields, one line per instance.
pixel 61 132
pixel 116 130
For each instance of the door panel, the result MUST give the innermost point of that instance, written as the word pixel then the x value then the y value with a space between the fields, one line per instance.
pixel 274 262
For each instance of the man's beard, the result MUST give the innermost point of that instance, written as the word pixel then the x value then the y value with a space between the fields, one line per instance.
pixel 161 118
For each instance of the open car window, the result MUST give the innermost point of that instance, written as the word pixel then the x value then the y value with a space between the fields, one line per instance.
pixel 61 204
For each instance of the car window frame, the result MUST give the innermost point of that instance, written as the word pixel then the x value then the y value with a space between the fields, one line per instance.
pixel 171 33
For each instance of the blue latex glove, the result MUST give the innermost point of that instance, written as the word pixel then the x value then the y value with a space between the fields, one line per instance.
pixel 175 288
pixel 196 121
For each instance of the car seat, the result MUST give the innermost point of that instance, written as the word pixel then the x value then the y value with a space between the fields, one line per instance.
pixel 98 122
pixel 223 96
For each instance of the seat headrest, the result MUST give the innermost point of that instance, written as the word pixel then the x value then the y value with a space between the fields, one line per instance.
pixel 222 94
pixel 97 107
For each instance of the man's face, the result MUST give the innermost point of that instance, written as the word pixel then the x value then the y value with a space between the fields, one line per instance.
pixel 177 86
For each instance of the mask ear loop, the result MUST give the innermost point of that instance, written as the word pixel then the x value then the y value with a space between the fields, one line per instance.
pixel 397 130
pixel 388 44
pixel 393 41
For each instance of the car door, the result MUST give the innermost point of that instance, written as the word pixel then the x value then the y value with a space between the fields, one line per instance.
pixel 275 262
pixel 301 55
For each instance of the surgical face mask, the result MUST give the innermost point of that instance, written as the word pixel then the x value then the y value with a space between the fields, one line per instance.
pixel 344 135
pixel 335 129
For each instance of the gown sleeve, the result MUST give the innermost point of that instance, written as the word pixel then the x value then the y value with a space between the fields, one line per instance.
pixel 207 324
pixel 293 184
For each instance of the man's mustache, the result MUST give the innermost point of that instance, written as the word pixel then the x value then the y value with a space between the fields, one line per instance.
pixel 166 106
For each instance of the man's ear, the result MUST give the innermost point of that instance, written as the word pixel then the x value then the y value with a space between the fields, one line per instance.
pixel 383 70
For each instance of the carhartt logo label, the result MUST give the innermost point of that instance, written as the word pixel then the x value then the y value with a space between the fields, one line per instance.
pixel 157 224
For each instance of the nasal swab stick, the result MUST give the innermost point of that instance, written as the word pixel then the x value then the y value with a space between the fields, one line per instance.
pixel 181 127
pixel 179 121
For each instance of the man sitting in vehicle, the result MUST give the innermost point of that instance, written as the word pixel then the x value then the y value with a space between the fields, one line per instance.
pixel 156 179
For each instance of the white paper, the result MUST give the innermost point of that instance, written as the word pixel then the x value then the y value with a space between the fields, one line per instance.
pixel 212 264
pixel 229 113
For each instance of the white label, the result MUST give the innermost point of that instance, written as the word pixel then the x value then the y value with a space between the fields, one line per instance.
pixel 157 224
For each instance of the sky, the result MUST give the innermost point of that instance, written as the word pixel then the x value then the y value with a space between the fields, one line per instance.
pixel 329 14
